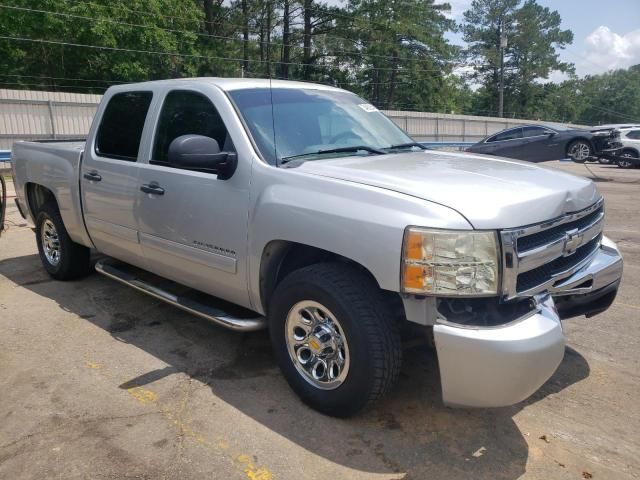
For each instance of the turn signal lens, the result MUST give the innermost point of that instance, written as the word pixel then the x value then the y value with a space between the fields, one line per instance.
pixel 450 263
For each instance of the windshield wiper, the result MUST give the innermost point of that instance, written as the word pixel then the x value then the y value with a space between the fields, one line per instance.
pixel 406 145
pixel 354 148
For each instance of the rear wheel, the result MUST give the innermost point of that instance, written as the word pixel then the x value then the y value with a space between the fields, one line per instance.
pixel 61 257
pixel 580 151
pixel 335 338
pixel 626 159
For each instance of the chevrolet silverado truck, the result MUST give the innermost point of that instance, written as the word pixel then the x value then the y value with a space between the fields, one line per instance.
pixel 303 209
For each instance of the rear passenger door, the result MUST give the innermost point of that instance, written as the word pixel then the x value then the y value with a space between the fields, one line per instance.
pixel 195 231
pixel 109 175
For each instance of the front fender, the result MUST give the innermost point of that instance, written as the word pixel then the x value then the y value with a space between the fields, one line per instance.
pixel 362 223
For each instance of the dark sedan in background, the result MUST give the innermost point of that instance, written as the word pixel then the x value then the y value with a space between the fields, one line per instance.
pixel 540 143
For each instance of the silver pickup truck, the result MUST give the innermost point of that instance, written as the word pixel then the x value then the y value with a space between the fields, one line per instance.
pixel 302 209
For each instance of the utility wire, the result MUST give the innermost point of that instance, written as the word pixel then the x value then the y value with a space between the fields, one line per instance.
pixel 334 52
pixel 201 57
pixel 226 22
pixel 43 77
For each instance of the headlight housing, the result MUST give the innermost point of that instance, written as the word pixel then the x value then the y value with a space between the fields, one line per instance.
pixel 450 262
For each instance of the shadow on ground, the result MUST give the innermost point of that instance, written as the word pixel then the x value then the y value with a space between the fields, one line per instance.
pixel 410 432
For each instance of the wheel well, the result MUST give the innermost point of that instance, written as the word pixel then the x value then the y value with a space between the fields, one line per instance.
pixel 280 257
pixel 37 196
pixel 631 150
pixel 577 139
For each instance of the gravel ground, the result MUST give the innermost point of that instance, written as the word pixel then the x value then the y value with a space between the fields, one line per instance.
pixel 100 381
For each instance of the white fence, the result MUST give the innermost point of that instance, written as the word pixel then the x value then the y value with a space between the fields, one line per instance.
pixel 31 115
pixel 34 115
pixel 442 127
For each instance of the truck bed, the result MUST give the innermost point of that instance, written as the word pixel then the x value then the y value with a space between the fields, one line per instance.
pixel 54 165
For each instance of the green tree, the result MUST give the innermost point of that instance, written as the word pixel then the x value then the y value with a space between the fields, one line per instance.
pixel 533 35
pixel 62 39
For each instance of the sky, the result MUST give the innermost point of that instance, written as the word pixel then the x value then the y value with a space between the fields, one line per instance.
pixel 606 33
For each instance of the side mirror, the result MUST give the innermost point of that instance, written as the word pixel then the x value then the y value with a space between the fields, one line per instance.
pixel 197 152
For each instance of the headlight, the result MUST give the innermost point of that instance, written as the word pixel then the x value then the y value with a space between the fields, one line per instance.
pixel 450 263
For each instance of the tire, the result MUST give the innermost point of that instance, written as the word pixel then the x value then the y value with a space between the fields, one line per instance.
pixel 624 162
pixel 372 349
pixel 579 151
pixel 71 260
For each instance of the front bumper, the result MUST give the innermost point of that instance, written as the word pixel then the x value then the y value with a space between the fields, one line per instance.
pixel 610 153
pixel 503 365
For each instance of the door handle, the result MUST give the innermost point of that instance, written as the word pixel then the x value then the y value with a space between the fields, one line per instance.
pixel 93 176
pixel 152 189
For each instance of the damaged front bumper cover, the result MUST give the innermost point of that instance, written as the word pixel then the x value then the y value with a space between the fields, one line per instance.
pixel 502 365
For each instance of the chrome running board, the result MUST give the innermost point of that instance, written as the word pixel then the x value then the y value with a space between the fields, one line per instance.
pixel 110 269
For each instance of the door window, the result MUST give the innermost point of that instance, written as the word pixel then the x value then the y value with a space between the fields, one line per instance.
pixel 185 113
pixel 121 126
pixel 634 135
pixel 506 135
pixel 534 131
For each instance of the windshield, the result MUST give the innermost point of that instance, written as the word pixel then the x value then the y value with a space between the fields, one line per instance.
pixel 308 121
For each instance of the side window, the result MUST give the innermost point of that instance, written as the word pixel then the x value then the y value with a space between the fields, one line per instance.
pixel 508 135
pixel 634 135
pixel 184 113
pixel 534 131
pixel 121 125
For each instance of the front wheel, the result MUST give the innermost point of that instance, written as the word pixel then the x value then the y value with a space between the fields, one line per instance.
pixel 626 159
pixel 580 151
pixel 335 338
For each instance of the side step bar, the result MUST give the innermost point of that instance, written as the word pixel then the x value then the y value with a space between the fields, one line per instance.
pixel 205 311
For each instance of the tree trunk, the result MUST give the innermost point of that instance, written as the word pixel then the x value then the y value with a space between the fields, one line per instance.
pixel 208 17
pixel 306 46
pixel 267 65
pixel 286 39
pixel 245 37
pixel 392 85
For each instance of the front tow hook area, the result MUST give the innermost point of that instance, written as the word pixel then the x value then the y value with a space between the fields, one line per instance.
pixel 499 366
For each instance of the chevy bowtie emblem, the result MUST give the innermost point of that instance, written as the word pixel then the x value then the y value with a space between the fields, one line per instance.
pixel 572 240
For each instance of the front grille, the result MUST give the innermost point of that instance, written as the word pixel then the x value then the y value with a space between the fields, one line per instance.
pixel 555 233
pixel 541 275
pixel 537 257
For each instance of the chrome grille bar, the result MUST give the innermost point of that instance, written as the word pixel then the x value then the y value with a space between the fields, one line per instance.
pixel 538 256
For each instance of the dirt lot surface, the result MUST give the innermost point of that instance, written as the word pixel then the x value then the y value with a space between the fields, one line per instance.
pixel 100 381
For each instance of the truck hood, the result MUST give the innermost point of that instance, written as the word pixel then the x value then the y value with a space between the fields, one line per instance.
pixel 490 192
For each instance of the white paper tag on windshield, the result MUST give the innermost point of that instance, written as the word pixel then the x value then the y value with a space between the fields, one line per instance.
pixel 367 107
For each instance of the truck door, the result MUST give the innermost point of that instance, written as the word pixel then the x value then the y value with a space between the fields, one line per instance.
pixel 109 175
pixel 193 225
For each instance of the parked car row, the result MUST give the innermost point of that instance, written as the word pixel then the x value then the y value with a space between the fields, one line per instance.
pixel 541 143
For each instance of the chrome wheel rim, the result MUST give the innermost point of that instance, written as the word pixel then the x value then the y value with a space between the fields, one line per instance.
pixel 50 242
pixel 317 345
pixel 580 151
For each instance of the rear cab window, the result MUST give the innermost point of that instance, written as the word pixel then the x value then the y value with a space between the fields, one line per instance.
pixel 121 126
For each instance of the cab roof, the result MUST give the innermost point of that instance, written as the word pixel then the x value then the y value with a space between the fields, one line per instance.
pixel 228 84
